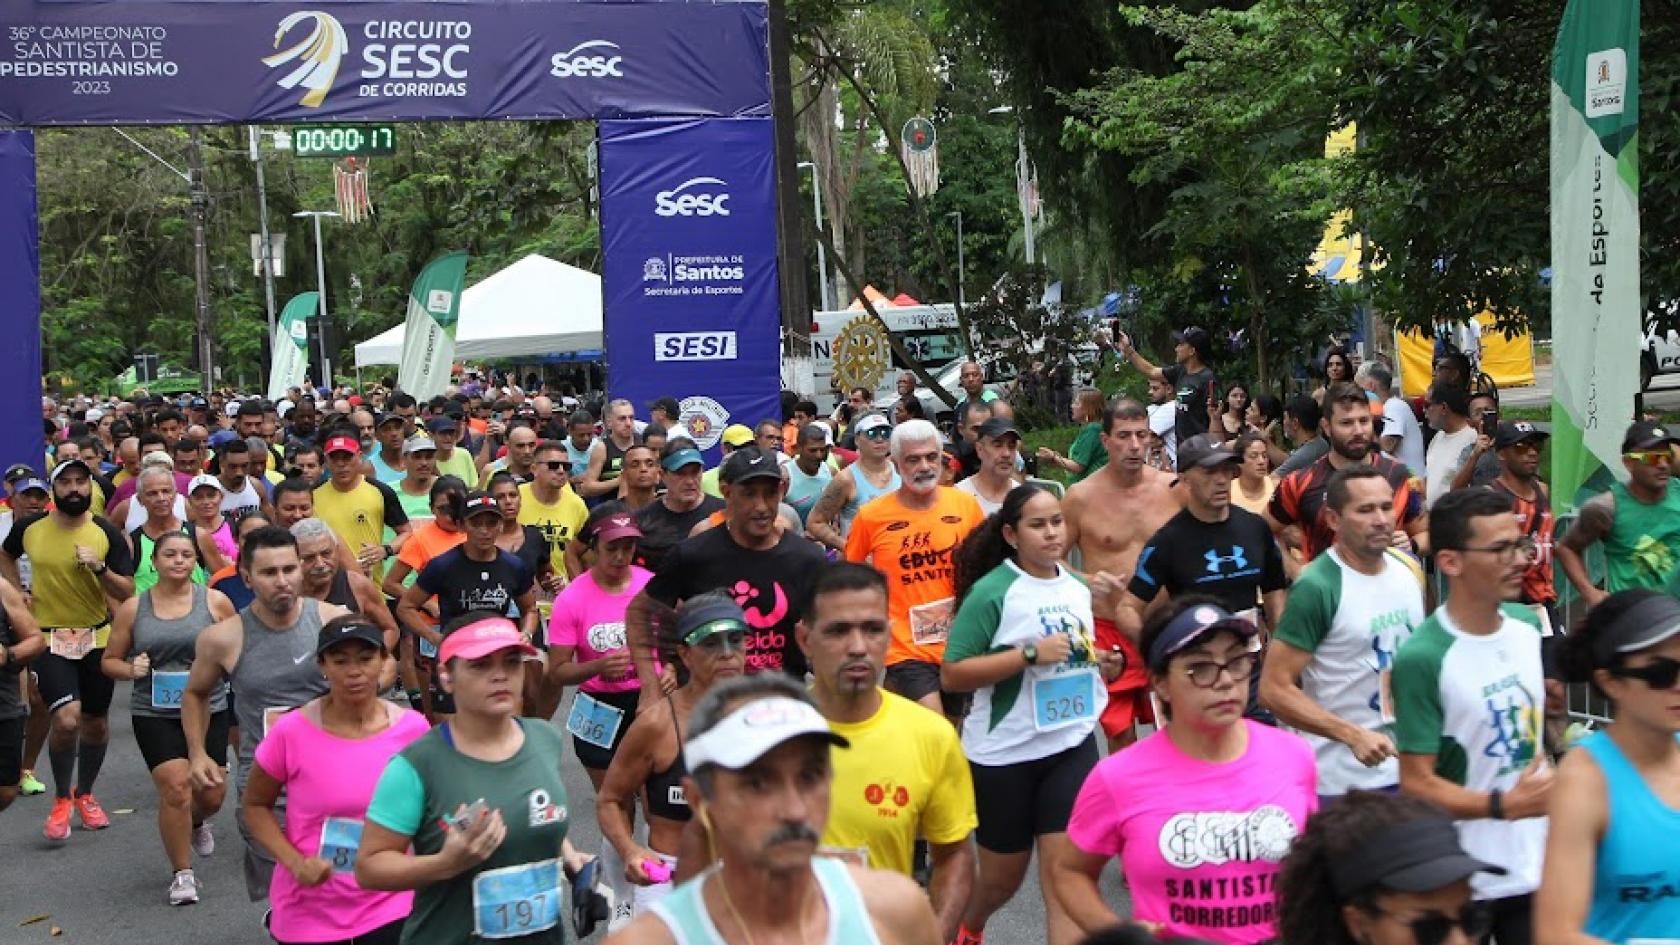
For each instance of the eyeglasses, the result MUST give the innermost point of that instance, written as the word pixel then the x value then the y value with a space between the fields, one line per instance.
pixel 1474 920
pixel 1205 673
pixel 1525 548
pixel 554 465
pixel 1651 457
pixel 1660 673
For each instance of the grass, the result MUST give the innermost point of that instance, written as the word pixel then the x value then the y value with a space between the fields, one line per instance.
pixel 1058 438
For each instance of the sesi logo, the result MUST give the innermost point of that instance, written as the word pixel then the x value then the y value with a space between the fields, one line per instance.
pixel 679 202
pixel 694 346
pixel 603 63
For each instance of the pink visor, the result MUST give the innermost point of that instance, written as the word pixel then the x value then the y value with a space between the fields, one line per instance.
pixel 476 640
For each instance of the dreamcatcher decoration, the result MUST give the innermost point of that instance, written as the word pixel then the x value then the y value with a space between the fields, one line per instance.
pixel 921 156
pixel 350 186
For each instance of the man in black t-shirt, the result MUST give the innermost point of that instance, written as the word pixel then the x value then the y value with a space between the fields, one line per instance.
pixel 666 521
pixel 1192 380
pixel 767 571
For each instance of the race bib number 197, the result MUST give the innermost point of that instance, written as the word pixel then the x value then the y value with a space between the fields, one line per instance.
pixel 516 900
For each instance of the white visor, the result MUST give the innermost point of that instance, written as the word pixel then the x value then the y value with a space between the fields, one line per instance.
pixel 746 734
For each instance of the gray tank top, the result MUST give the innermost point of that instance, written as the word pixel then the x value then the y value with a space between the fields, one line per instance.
pixel 170 644
pixel 863 493
pixel 276 671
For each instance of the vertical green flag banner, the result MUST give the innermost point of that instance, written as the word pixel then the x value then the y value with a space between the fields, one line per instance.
pixel 1596 319
pixel 290 361
pixel 434 307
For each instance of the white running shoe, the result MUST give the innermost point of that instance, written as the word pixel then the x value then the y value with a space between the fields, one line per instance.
pixel 203 839
pixel 621 916
pixel 183 889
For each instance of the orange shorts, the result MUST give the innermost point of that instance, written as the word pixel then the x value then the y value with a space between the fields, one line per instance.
pixel 1128 694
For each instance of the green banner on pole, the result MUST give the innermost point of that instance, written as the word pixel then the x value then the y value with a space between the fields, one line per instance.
pixel 290 350
pixel 434 306
pixel 1596 321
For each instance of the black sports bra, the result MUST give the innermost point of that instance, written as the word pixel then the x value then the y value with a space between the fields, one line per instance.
pixel 665 797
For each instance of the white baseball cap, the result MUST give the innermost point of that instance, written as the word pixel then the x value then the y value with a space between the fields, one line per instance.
pixel 204 479
pixel 748 733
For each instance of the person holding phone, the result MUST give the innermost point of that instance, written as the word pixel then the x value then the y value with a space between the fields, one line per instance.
pixel 1448 412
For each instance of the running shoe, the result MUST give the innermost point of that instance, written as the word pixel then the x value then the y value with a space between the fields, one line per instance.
pixel 621 916
pixel 93 816
pixel 29 784
pixel 58 822
pixel 183 889
pixel 203 840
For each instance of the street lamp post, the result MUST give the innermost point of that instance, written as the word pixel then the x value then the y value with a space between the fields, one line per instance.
pixel 822 254
pixel 962 297
pixel 1023 171
pixel 321 289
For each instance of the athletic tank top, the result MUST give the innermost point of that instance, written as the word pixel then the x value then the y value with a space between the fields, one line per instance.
pixel 1643 547
pixel 615 459
pixel 11 697
pixel 665 797
pixel 864 492
pixel 170 644
pixel 341 593
pixel 382 471
pixel 684 911
pixel 137 514
pixel 1636 876
pixel 236 504
pixel 580 458
pixel 276 670
pixel 145 570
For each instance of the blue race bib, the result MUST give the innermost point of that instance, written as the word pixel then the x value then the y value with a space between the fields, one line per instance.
pixel 167 690
pixel 1064 699
pixel 593 721
pixel 516 900
pixel 340 838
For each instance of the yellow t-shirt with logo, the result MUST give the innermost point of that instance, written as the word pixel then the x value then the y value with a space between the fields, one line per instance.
pixel 65 594
pixel 904 777
pixel 559 521
pixel 358 516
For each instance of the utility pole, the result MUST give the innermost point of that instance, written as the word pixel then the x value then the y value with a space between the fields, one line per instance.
pixel 321 290
pixel 962 297
pixel 201 255
pixel 266 247
pixel 796 319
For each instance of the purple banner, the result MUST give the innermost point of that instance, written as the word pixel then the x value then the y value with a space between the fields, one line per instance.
pixel 185 62
pixel 20 304
pixel 688 225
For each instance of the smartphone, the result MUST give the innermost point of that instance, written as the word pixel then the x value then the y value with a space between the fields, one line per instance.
pixel 1490 423
pixel 469 816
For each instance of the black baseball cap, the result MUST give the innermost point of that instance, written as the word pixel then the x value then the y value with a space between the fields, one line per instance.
pixel 443 424
pixel 1511 433
pixel 18 471
pixel 478 503
pixel 347 628
pixel 1200 452
pixel 389 417
pixel 750 462
pixel 996 427
pixel 1416 855
pixel 1646 434
pixel 1196 337
pixel 669 405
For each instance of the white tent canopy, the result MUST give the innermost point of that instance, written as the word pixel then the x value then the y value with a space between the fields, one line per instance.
pixel 535 306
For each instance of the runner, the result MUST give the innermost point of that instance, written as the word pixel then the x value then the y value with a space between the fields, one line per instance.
pixel 549 503
pixel 1109 545
pixel 211 531
pixel 240 492
pixel 479 800
pixel 808 472
pixel 414 486
pixel 262 653
pixel 709 640
pixel 911 535
pixel 667 521
pixel 997 443
pixel 153 638
pixel 1333 891
pixel 734 437
pixel 157 497
pixel 359 509
pixel 77 561
pixel 322 578
pixel 446 432
pixel 1159 805
pixel 765 570
pixel 131 511
pixel 525 542
pixel 905 778
pixel 606 456
pixel 638 484
pixel 580 442
pixel 1638 522
pixel 327 756
pixel 521 453
pixel 1327 669
pixel 1614 817
pixel 1469 697
pixel 1023 626
pixel 389 461
pixel 20 641
pixel 872 476
pixel 228 580
pixel 760 776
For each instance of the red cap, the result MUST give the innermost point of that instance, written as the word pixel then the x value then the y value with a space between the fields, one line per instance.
pixel 490 635
pixel 616 526
pixel 343 444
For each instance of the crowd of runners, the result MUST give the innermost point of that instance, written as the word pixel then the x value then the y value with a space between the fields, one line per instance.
pixel 1298 670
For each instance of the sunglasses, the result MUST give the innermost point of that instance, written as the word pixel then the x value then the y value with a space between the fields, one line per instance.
pixel 1474 920
pixel 876 433
pixel 1651 457
pixel 1660 673
pixel 555 465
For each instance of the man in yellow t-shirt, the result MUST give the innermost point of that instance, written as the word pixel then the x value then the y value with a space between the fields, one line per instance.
pixel 911 536
pixel 549 503
pixel 358 509
pixel 904 777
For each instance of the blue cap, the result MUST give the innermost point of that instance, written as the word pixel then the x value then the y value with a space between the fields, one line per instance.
pixel 443 424
pixel 221 437
pixel 24 485
pixel 1192 626
pixel 677 459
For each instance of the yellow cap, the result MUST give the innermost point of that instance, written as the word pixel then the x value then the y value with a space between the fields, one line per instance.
pixel 738 435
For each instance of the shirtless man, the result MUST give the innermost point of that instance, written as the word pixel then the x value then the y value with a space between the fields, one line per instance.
pixel 1110 516
pixel 845 494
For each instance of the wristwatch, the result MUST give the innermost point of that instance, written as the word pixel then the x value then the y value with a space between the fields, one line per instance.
pixel 1496 804
pixel 100 569
pixel 389 553
pixel 1030 651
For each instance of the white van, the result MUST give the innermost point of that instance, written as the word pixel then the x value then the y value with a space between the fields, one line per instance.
pixel 849 349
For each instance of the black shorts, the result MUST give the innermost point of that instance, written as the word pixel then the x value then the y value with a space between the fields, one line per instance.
pixel 63 681
pixel 914 679
pixel 442 702
pixel 1018 802
pixel 11 749
pixel 595 757
pixel 389 934
pixel 162 739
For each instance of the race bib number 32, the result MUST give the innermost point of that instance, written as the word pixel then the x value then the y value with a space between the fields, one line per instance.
pixel 167 689
pixel 516 900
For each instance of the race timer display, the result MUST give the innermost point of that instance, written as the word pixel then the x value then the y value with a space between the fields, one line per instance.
pixel 336 141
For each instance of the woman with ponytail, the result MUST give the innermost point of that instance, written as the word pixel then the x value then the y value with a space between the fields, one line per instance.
pixel 1022 642
pixel 1611 872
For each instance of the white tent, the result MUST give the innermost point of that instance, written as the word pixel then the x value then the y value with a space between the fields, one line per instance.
pixel 535 306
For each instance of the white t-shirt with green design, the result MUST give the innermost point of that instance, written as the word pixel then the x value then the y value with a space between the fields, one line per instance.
pixel 1352 624
pixel 1050 708
pixel 1477 703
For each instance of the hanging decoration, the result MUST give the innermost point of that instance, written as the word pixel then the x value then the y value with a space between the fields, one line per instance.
pixel 350 186
pixel 921 156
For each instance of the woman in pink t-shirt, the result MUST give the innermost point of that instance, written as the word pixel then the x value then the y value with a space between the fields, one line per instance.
pixel 327 757
pixel 1202 812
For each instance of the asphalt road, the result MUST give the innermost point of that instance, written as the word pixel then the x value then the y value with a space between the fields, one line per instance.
pixel 108 887
pixel 1663 395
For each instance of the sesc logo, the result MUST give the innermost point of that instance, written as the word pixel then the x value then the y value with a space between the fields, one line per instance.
pixel 679 202
pixel 605 62
pixel 320 52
